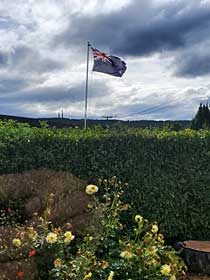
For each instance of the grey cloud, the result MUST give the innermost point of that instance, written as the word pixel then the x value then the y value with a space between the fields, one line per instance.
pixel 26 59
pixel 3 59
pixel 54 95
pixel 193 64
pixel 14 109
pixel 11 85
pixel 6 22
pixel 141 29
pixel 170 106
pixel 167 34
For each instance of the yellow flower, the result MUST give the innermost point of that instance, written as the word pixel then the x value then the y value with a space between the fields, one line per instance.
pixel 51 238
pixel 126 255
pixel 160 237
pixel 104 264
pixel 151 250
pixel 165 269
pixel 154 229
pixel 138 219
pixel 111 275
pixel 173 277
pixel 88 276
pixel 152 262
pixel 91 189
pixel 57 262
pixel 32 235
pixel 16 242
pixel 68 237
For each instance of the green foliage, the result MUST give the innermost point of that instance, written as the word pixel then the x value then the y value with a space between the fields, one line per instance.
pixel 112 253
pixel 168 171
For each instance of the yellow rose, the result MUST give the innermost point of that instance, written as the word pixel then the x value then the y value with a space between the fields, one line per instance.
pixel 88 276
pixel 68 237
pixel 160 237
pixel 151 250
pixel 51 238
pixel 173 277
pixel 154 229
pixel 126 255
pixel 165 269
pixel 91 189
pixel 111 275
pixel 16 242
pixel 57 262
pixel 138 219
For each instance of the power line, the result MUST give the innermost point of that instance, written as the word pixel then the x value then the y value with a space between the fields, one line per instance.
pixel 147 111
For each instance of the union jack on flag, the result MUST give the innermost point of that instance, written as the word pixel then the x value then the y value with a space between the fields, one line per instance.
pixel 108 64
pixel 101 55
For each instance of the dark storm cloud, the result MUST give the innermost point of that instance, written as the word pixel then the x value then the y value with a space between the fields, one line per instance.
pixel 26 59
pixel 141 29
pixel 167 34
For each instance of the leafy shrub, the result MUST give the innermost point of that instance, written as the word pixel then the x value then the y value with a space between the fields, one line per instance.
pixel 112 253
pixel 168 172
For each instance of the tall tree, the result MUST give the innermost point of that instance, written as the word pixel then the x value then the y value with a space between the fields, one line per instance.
pixel 202 117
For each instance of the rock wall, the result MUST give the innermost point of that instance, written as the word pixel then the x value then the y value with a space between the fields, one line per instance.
pixel 70 205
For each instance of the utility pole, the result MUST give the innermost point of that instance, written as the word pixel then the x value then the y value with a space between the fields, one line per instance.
pixel 108 117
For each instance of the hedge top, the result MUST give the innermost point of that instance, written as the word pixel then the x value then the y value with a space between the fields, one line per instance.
pixel 12 130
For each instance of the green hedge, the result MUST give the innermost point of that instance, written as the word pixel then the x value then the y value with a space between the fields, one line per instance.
pixel 168 172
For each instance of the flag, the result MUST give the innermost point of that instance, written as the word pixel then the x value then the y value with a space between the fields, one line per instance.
pixel 108 64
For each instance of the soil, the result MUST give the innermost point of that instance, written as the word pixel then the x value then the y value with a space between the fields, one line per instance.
pixel 194 277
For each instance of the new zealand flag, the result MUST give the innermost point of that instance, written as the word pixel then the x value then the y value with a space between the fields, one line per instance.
pixel 108 64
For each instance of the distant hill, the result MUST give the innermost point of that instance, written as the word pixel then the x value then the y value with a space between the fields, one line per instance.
pixel 65 122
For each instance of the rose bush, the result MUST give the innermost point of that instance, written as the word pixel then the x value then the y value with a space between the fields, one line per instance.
pixel 116 252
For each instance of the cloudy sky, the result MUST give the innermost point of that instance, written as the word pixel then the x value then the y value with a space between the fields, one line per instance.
pixel 165 43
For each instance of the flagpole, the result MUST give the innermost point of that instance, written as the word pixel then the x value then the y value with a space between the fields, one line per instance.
pixel 86 88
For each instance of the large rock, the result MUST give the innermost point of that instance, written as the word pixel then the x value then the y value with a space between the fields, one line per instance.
pixel 34 186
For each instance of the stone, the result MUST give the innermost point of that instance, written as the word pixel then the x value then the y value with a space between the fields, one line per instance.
pixel 70 197
pixel 32 205
pixel 33 187
pixel 26 267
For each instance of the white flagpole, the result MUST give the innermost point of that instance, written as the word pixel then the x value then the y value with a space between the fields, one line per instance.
pixel 86 89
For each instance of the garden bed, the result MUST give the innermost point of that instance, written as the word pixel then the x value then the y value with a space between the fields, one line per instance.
pixel 194 277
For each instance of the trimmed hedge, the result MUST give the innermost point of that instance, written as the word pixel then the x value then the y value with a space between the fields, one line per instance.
pixel 168 172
